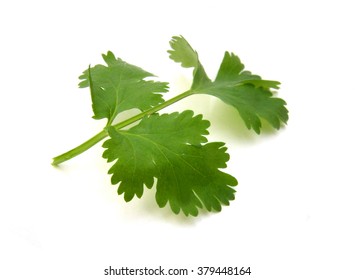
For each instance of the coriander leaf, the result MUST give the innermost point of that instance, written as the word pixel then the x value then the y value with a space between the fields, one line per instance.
pixel 120 86
pixel 170 148
pixel 183 53
pixel 231 72
pixel 248 93
pixel 252 104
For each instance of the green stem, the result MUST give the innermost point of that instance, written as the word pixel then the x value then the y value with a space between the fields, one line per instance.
pixel 80 149
pixel 103 134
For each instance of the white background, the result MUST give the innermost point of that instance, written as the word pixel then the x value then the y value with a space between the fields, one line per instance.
pixel 293 217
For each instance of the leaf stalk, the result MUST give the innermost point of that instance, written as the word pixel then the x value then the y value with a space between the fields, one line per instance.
pixel 103 134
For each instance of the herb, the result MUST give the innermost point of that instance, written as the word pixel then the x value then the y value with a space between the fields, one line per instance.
pixel 172 148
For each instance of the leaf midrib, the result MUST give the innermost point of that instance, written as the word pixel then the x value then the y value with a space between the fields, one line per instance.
pixel 162 147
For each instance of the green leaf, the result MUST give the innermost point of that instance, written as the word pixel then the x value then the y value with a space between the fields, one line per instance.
pixel 170 148
pixel 120 86
pixel 248 93
pixel 253 104
pixel 231 73
pixel 183 53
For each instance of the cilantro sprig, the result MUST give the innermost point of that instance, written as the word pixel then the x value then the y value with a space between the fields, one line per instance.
pixel 172 148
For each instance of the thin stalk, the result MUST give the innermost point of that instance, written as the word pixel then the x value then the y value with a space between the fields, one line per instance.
pixel 80 149
pixel 103 134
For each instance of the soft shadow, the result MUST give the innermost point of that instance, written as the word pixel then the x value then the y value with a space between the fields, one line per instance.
pixel 227 124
